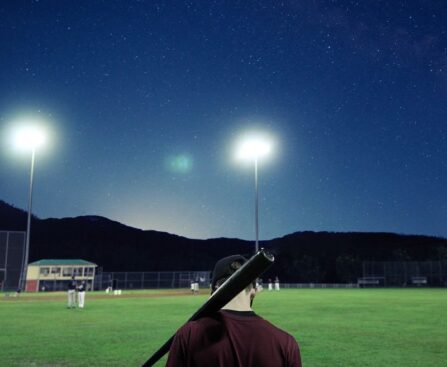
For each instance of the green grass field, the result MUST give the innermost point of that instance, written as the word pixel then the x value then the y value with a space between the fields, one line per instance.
pixel 346 328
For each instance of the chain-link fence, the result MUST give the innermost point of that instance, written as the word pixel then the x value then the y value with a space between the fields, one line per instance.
pixel 12 249
pixel 319 285
pixel 151 280
pixel 405 273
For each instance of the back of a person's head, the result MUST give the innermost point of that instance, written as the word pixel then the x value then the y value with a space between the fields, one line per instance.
pixel 224 268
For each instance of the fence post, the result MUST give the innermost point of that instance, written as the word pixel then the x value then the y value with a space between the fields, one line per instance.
pixel 5 278
pixel 441 283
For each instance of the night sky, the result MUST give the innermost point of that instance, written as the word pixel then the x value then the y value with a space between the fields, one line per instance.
pixel 145 99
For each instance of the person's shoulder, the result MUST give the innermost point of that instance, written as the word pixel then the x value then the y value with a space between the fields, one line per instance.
pixel 278 332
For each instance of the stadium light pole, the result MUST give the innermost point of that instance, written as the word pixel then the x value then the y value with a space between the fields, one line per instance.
pixel 252 148
pixel 28 138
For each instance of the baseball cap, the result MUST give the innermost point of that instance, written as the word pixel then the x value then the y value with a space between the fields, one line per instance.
pixel 225 267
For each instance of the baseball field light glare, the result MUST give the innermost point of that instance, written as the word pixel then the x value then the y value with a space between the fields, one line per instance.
pixel 28 136
pixel 253 147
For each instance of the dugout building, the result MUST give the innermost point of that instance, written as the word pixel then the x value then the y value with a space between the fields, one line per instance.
pixel 55 274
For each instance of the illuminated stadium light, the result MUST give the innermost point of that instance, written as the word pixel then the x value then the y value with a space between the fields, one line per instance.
pixel 29 137
pixel 251 148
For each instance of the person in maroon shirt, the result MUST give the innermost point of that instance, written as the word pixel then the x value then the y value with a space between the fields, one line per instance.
pixel 235 336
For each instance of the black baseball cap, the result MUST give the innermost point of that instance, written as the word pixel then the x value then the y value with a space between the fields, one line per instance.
pixel 225 267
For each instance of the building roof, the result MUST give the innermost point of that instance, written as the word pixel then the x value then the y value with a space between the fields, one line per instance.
pixel 53 262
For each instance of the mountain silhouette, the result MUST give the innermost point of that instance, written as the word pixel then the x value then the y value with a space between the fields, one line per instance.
pixel 300 257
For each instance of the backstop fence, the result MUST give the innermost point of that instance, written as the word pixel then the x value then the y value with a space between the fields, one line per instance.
pixel 404 274
pixel 12 249
pixel 151 280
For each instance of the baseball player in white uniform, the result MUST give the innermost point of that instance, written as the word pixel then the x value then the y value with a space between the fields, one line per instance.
pixel 81 294
pixel 71 293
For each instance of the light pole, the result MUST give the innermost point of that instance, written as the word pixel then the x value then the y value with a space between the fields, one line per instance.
pixel 252 148
pixel 28 138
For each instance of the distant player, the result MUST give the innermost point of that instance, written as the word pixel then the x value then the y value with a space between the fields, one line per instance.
pixel 270 284
pixel 259 287
pixel 235 336
pixel 276 284
pixel 81 294
pixel 196 287
pixel 71 292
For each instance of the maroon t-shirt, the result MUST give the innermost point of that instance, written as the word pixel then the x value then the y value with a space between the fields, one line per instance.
pixel 232 339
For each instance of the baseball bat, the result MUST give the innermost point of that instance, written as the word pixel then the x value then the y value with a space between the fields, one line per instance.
pixel 238 281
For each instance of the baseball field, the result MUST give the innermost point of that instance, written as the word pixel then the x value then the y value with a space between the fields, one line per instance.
pixel 345 328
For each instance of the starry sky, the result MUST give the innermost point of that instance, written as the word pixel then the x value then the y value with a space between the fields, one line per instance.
pixel 145 99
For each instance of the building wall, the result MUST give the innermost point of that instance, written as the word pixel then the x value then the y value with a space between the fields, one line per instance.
pixel 32 273
pixel 32 286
